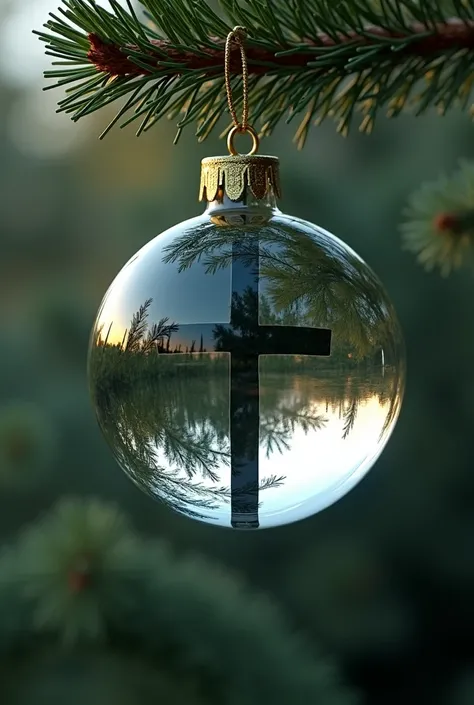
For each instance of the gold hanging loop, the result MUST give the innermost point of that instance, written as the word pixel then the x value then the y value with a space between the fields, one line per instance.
pixel 237 36
pixel 238 129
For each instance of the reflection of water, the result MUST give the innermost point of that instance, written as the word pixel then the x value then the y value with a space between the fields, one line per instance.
pixel 319 432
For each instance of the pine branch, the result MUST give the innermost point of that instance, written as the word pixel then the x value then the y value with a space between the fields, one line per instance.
pixel 112 58
pixel 350 416
pixel 83 574
pixel 307 60
pixel 138 327
pixel 28 445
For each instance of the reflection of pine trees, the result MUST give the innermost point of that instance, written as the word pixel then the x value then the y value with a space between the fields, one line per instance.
pixel 139 340
pixel 323 288
pixel 350 416
pixel 301 282
pixel 394 408
pixel 277 429
pixel 171 460
pixel 244 325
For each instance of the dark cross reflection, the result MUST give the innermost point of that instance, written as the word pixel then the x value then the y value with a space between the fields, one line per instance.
pixel 246 339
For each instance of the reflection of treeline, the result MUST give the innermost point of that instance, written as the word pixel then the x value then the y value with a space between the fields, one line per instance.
pixel 116 369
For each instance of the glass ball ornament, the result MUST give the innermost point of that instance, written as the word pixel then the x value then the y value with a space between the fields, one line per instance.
pixel 247 367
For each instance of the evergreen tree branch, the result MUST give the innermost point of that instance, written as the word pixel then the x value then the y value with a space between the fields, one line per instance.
pixel 82 575
pixel 307 60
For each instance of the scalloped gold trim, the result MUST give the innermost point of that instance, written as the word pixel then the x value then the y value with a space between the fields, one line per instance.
pixel 233 174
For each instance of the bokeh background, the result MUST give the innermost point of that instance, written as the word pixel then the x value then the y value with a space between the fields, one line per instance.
pixel 383 582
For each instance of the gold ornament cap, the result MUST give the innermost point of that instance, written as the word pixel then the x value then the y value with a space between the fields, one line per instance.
pixel 233 174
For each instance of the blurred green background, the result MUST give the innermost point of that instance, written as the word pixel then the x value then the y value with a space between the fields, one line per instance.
pixel 383 581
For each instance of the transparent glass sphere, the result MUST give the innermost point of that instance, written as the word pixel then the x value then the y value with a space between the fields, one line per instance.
pixel 247 367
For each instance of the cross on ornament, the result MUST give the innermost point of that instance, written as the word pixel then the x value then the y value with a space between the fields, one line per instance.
pixel 246 339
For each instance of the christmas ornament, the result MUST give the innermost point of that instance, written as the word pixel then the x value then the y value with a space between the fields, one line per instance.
pixel 246 366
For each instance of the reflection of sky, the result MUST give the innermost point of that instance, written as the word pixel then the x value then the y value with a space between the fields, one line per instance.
pixel 22 54
pixel 33 125
pixel 321 466
pixel 186 335
pixel 191 296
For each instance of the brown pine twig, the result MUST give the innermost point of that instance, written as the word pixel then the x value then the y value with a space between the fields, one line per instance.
pixel 113 60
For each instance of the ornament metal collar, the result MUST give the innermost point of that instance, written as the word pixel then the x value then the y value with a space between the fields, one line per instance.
pixel 232 175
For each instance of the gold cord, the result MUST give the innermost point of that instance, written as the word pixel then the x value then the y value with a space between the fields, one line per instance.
pixel 237 36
